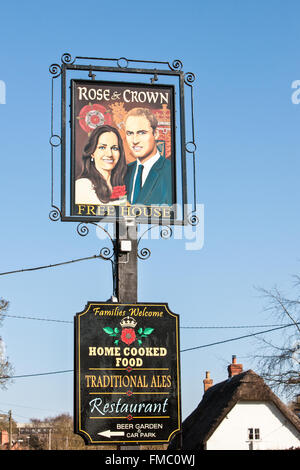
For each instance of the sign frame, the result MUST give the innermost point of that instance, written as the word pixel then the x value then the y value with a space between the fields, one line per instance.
pixel 127 88
pixel 184 209
pixel 84 424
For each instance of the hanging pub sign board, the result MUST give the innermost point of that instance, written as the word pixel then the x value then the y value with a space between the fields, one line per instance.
pixel 117 130
pixel 127 383
pixel 123 141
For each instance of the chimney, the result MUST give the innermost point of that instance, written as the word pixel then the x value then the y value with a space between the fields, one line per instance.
pixel 234 368
pixel 3 438
pixel 207 381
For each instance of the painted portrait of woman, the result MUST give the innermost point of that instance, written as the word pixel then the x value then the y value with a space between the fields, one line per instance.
pixel 104 167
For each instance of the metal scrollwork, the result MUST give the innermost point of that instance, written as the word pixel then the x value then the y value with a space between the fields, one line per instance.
pixel 154 69
pixel 193 219
pixel 104 230
pixel 55 140
pixel 144 253
pixel 189 78
pixel 82 229
pixel 148 229
pixel 66 58
pixel 55 214
pixel 106 253
pixel 166 232
pixel 122 63
pixel 176 65
pixel 190 147
pixel 55 69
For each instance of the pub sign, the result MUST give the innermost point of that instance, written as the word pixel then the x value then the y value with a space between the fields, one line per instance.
pixel 120 141
pixel 127 373
pixel 122 150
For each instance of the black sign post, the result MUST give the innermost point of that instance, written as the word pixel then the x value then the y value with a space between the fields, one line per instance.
pixel 127 381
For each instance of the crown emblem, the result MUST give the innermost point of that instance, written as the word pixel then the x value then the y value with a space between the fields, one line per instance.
pixel 127 334
pixel 128 322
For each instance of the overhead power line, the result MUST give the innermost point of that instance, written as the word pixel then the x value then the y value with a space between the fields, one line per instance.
pixel 202 327
pixel 182 350
pixel 237 338
pixel 35 375
pixel 228 327
pixel 34 318
pixel 49 265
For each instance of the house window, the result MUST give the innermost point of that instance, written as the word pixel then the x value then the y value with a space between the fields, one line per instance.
pixel 253 434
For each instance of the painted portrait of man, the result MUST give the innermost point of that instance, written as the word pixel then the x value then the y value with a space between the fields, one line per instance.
pixel 148 178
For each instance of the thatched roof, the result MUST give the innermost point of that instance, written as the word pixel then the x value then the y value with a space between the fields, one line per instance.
pixel 219 399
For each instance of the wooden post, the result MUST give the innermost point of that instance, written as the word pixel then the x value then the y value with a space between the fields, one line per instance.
pixel 10 430
pixel 126 266
pixel 49 438
pixel 126 261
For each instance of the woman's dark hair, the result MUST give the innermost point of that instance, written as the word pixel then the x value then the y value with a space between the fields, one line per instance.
pixel 90 171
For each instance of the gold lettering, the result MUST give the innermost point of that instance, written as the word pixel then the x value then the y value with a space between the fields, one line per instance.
pixel 90 381
pixel 166 212
pixel 153 382
pixel 87 380
pixel 92 351
pixel 161 381
pixel 81 208
pixel 99 383
pixel 90 210
pixel 110 210
pixel 157 212
pixel 106 381
pixel 125 211
pixel 101 210
pixel 135 210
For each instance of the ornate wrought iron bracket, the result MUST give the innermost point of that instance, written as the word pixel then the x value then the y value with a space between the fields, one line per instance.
pixel 165 233
pixel 92 65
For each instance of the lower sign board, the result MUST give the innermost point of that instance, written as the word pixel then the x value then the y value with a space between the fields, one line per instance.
pixel 127 373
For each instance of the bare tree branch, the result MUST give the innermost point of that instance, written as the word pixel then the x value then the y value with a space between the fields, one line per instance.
pixel 6 368
pixel 279 363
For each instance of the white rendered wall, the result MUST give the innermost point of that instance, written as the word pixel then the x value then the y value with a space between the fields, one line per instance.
pixel 275 431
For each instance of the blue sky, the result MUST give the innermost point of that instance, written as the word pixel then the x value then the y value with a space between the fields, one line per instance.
pixel 245 56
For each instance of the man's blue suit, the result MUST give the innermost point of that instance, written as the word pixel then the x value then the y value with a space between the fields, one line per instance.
pixel 157 189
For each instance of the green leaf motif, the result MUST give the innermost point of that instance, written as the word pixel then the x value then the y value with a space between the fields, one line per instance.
pixel 140 331
pixel 108 330
pixel 148 331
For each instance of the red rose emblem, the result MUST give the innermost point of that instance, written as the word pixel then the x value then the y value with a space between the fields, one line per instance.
pixel 128 335
pixel 118 191
pixel 92 116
